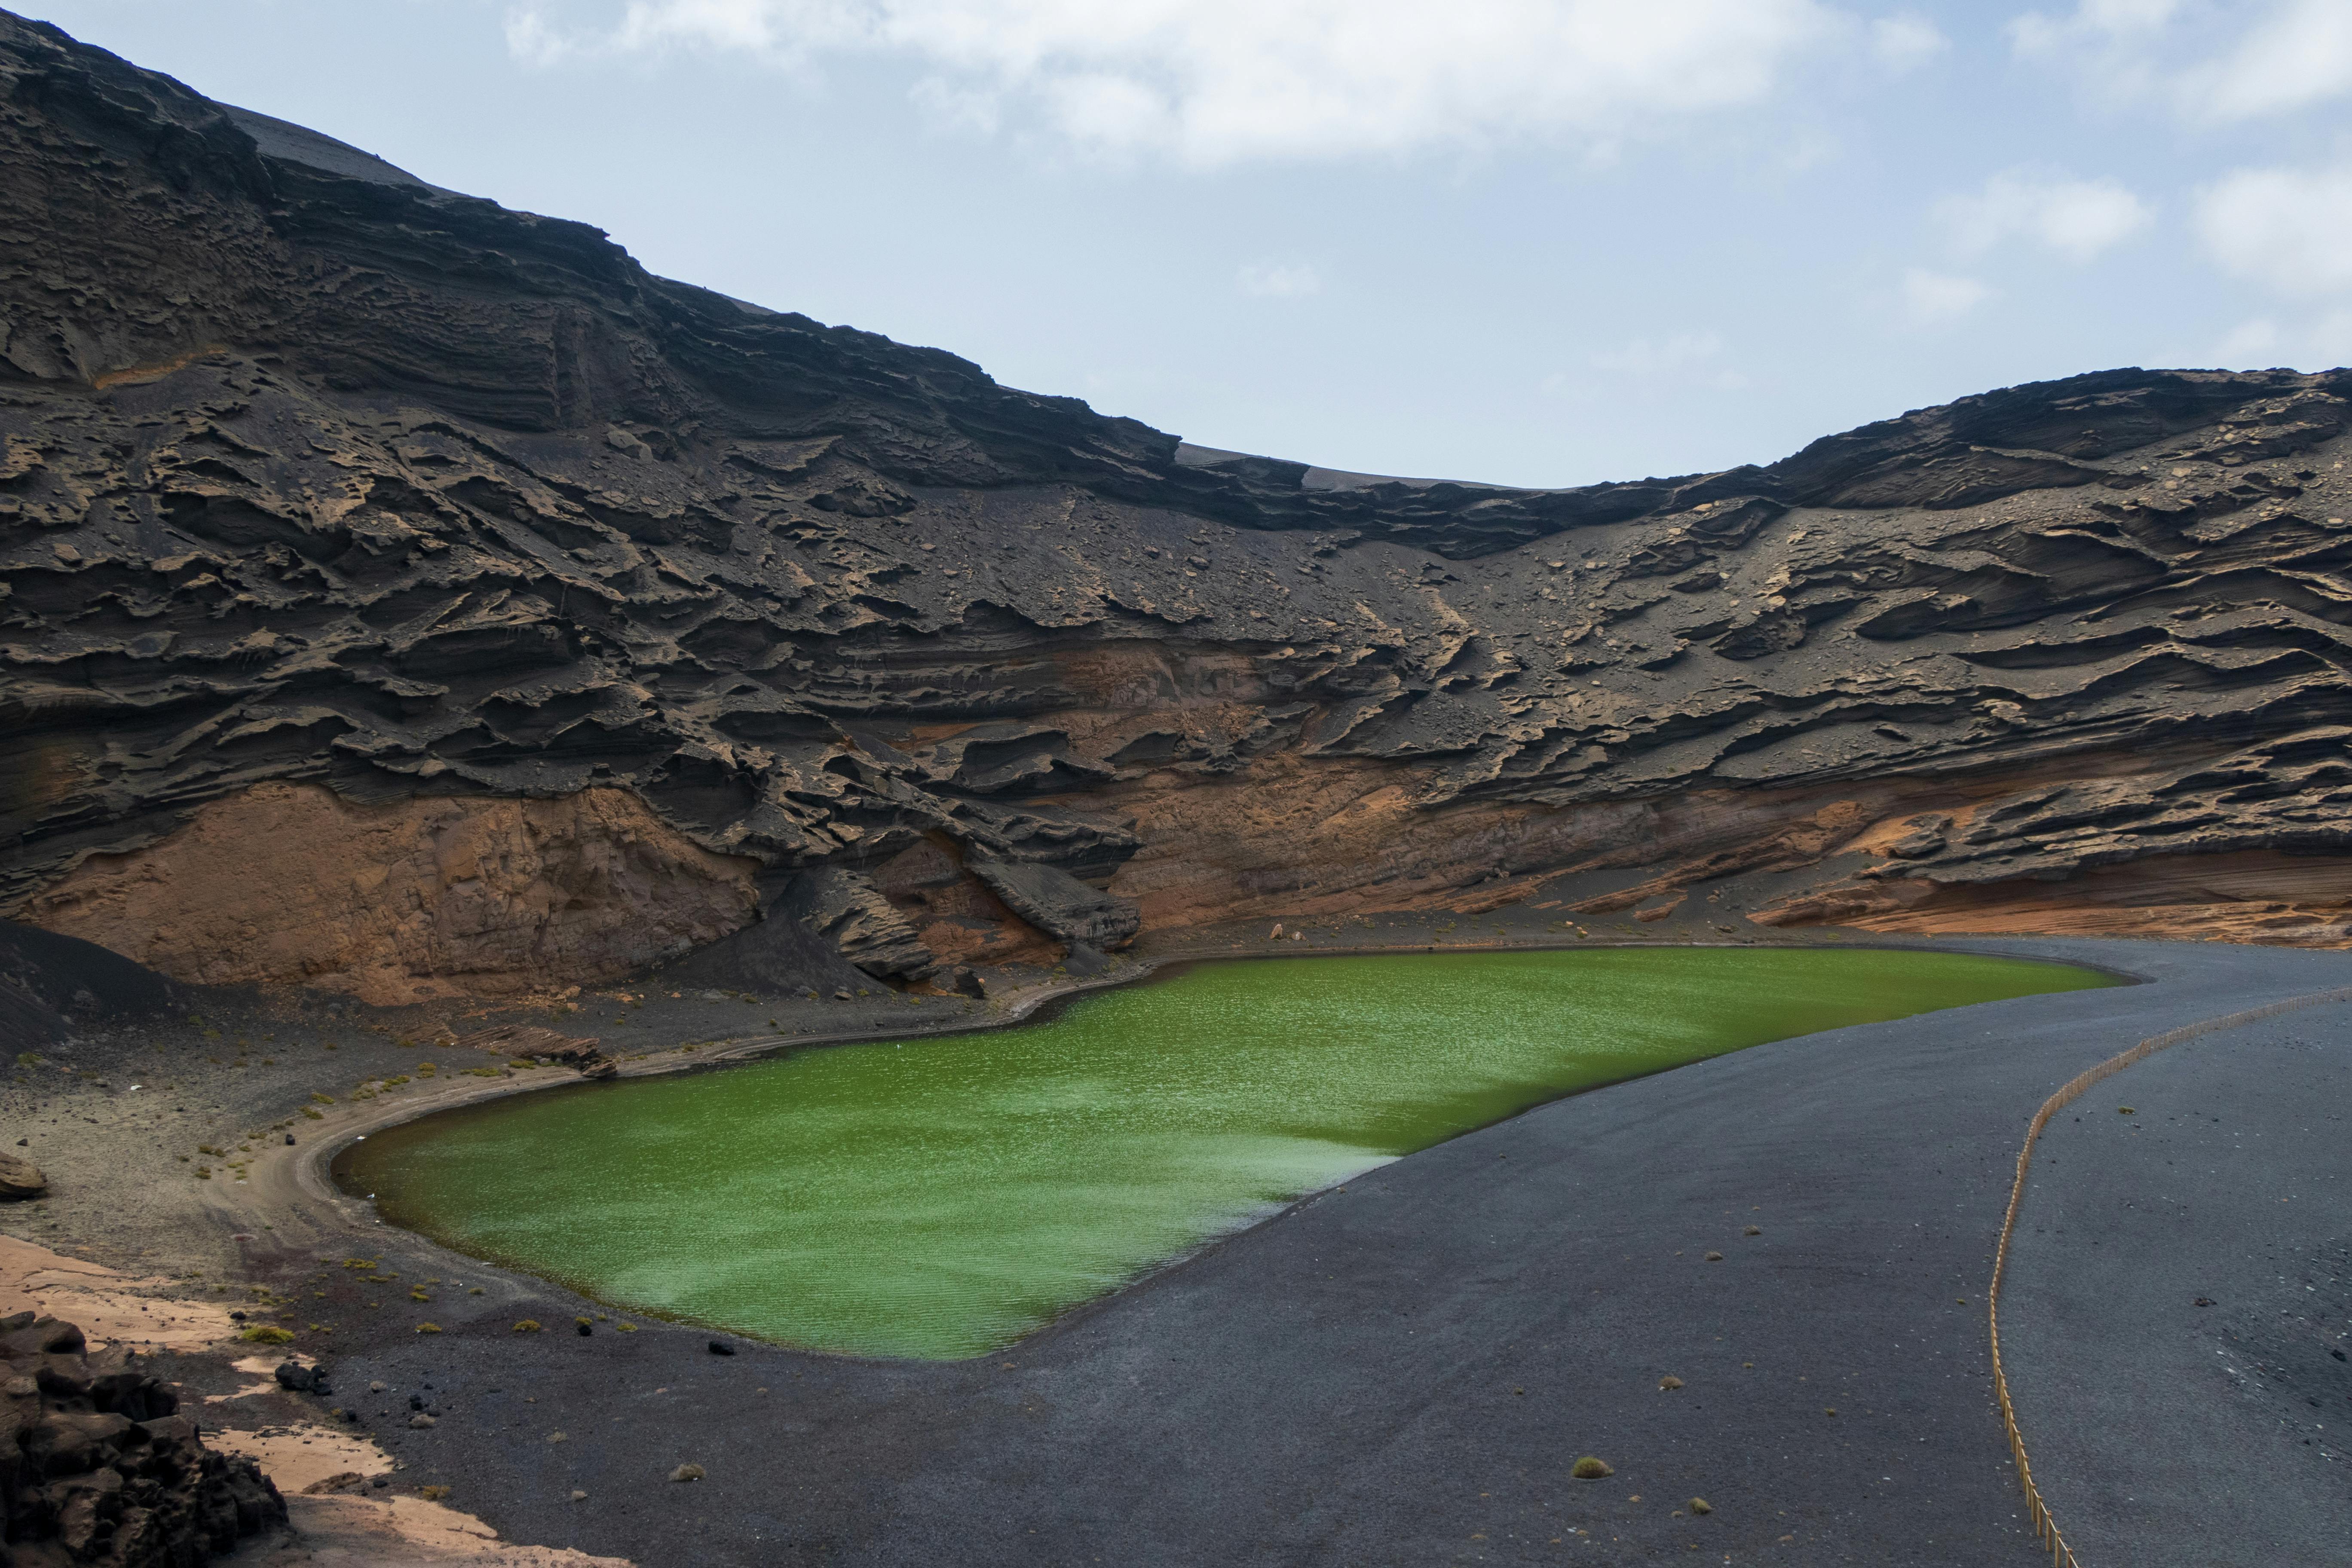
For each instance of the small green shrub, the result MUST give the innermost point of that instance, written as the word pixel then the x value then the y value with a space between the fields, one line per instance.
pixel 528 1326
pixel 1589 1469
pixel 263 1334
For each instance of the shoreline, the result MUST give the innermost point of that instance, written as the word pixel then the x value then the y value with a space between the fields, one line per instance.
pixel 290 1217
pixel 319 1167
pixel 313 1175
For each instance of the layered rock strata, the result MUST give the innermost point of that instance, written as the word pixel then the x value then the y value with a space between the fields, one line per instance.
pixel 411 596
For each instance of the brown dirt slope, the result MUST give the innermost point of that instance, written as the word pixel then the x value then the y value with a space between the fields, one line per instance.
pixel 337 509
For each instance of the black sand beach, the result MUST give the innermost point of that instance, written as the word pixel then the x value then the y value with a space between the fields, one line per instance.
pixel 1403 1371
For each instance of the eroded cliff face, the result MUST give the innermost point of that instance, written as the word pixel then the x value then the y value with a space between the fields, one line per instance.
pixel 399 901
pixel 355 520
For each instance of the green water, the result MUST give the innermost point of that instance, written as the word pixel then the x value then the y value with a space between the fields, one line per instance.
pixel 942 1198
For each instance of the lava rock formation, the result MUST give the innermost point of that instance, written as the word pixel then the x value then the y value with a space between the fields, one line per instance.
pixel 100 1467
pixel 411 596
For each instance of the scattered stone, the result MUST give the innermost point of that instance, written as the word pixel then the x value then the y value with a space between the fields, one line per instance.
pixel 1714 1258
pixel 721 1347
pixel 1589 1469
pixel 341 1480
pixel 585 1326
pixel 376 1387
pixel 289 1140
pixel 579 1496
pixel 842 994
pixel 20 1178
pixel 1669 1382
pixel 559 1437
pixel 686 1473
pixel 421 1421
pixel 1753 1230
pixel 294 1376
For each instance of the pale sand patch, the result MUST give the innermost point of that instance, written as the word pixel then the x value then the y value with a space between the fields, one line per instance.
pixel 298 1456
pixel 396 1532
pixel 111 1306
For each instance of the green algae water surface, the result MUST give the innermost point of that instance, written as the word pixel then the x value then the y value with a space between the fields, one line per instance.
pixel 942 1198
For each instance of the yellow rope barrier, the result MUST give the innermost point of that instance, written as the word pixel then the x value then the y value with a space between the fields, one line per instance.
pixel 2045 1527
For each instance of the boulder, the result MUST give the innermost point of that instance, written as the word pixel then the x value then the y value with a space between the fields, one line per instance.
pixel 105 1472
pixel 20 1178
pixel 1059 904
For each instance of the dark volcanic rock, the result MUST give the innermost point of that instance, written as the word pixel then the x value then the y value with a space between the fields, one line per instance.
pixel 1053 901
pixel 103 1469
pixel 49 984
pixel 344 519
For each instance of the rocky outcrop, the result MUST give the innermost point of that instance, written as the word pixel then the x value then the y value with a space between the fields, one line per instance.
pixel 525 1042
pixel 100 1467
pixel 1053 901
pixel 372 514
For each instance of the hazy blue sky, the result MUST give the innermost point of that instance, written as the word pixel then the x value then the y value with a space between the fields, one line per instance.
pixel 1530 241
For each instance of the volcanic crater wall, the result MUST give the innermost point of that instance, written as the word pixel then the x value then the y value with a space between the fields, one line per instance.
pixel 409 595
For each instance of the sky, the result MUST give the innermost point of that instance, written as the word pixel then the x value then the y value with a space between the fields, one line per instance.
pixel 1530 242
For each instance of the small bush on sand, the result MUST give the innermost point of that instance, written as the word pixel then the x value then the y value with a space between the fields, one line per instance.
pixel 528 1326
pixel 428 1328
pixel 1669 1382
pixel 263 1334
pixel 1700 1505
pixel 1589 1469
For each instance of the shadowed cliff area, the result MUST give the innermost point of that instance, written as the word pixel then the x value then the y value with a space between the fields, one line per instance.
pixel 416 597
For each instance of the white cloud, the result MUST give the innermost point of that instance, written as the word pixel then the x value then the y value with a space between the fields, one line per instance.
pixel 1905 42
pixel 1689 357
pixel 2287 229
pixel 1215 82
pixel 1279 281
pixel 1934 299
pixel 2210 64
pixel 2298 56
pixel 2076 218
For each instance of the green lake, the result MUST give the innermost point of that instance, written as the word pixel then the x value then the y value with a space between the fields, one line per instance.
pixel 942 1198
